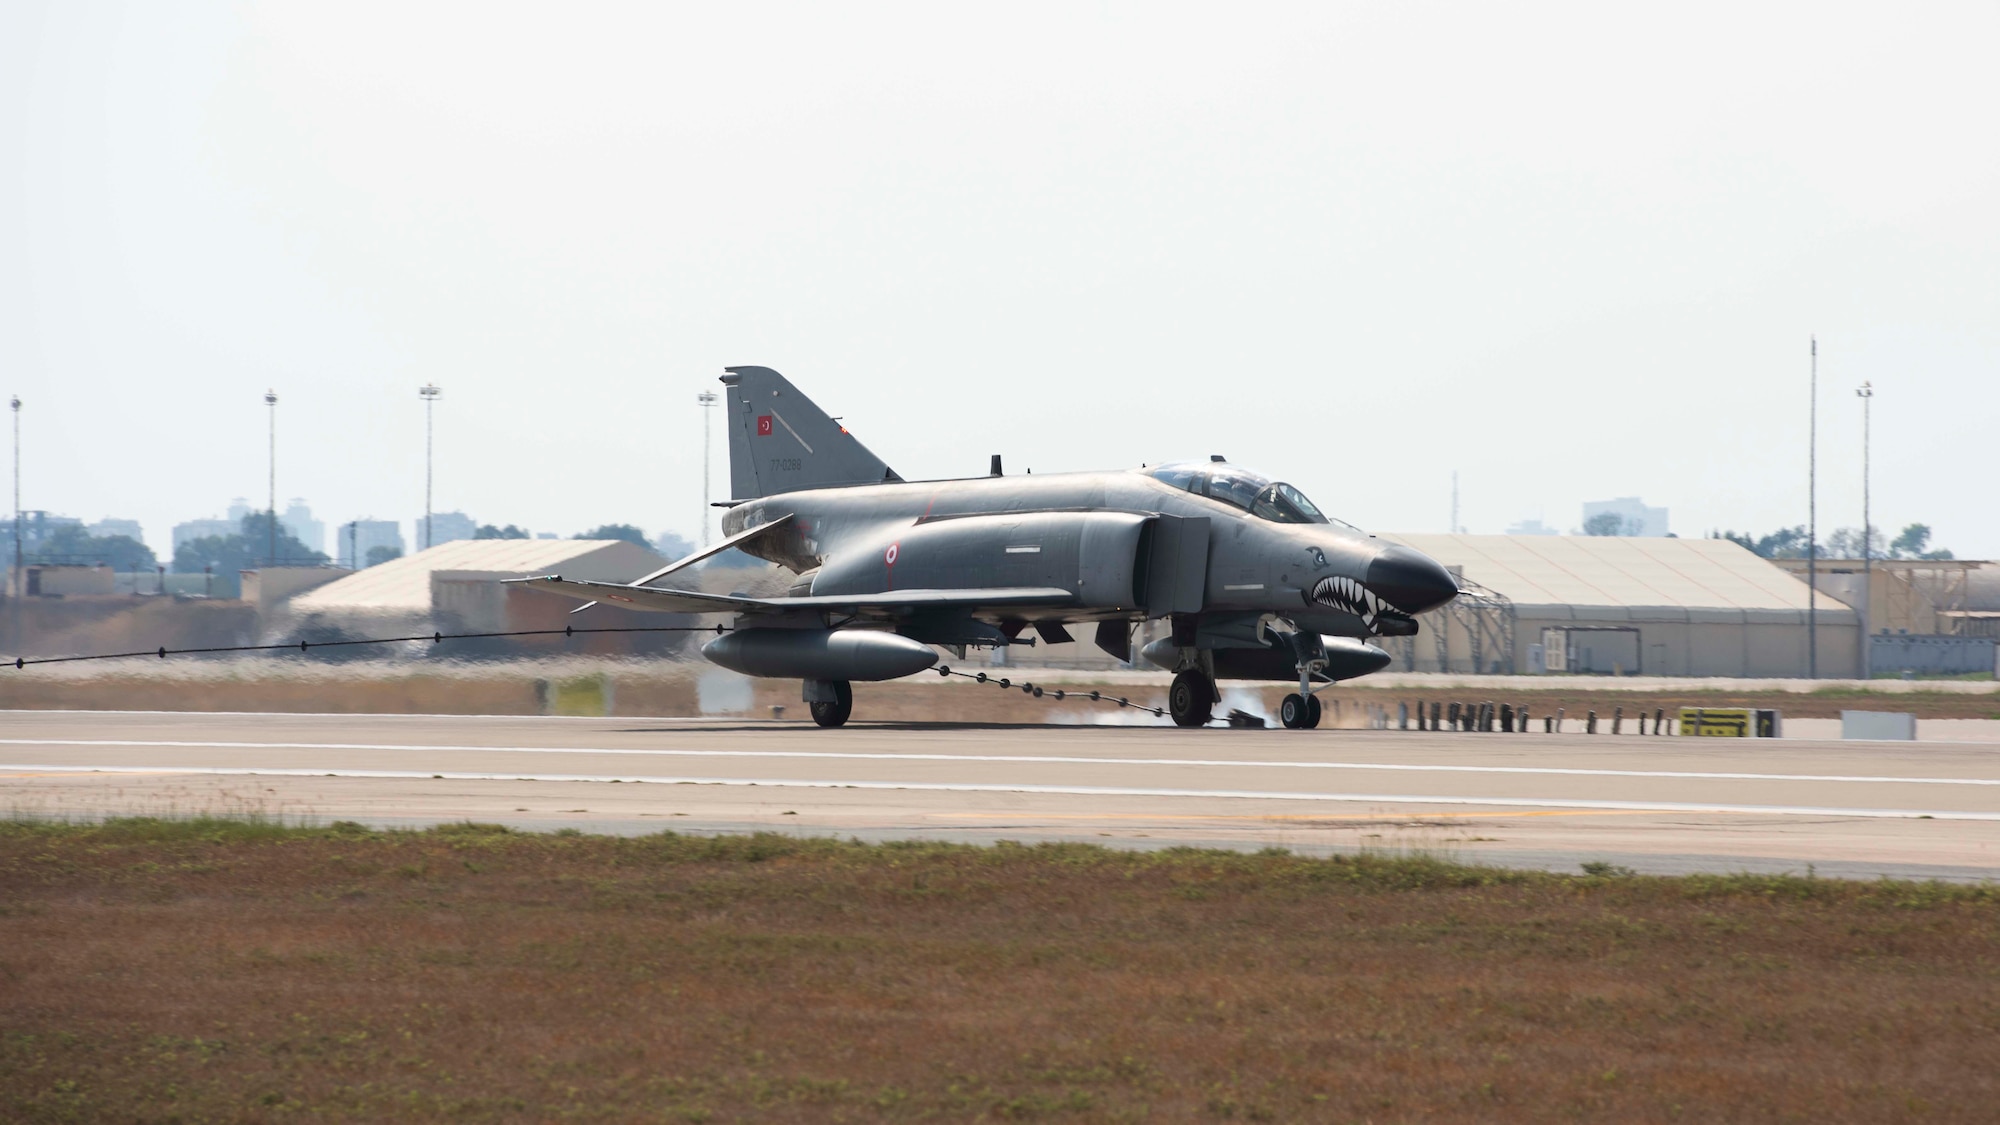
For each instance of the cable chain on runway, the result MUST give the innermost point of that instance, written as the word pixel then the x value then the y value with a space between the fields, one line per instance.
pixel 1057 694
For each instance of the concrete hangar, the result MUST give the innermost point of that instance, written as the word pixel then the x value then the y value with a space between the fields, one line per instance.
pixel 1615 605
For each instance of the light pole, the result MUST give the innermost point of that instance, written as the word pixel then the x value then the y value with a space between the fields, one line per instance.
pixel 430 393
pixel 17 491
pixel 271 400
pixel 1866 392
pixel 1812 524
pixel 707 401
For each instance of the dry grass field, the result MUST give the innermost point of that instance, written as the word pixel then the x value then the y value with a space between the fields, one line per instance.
pixel 231 971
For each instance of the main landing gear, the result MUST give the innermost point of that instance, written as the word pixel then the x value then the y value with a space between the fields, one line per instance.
pixel 1299 712
pixel 837 704
pixel 1191 699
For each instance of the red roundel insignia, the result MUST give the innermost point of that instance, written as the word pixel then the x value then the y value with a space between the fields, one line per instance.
pixel 890 557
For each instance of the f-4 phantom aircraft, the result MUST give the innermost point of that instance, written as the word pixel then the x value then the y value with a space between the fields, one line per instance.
pixel 1255 581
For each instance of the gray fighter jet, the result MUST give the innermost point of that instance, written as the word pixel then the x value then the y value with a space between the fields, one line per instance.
pixel 1256 582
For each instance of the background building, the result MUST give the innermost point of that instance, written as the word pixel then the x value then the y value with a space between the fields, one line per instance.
pixel 37 526
pixel 299 522
pixel 1634 518
pixel 1621 605
pixel 108 527
pixel 446 527
pixel 1532 527
pixel 457 587
pixel 185 533
pixel 356 538
pixel 296 520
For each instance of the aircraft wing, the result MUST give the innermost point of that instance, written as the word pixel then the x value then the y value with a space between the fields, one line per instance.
pixel 890 604
pixel 735 540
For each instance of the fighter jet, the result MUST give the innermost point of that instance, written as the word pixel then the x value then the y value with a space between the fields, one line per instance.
pixel 1255 581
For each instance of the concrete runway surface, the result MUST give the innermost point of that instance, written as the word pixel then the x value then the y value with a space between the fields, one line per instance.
pixel 1850 809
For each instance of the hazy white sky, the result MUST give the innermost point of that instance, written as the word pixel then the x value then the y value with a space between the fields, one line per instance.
pixel 1574 252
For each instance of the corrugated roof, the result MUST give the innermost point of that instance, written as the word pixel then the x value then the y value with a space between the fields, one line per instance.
pixel 1590 570
pixel 405 584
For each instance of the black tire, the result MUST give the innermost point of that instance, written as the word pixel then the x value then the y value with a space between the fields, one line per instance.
pixel 1191 699
pixel 1312 713
pixel 837 712
pixel 1294 711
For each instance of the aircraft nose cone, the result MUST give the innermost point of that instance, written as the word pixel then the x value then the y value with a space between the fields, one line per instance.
pixel 1410 580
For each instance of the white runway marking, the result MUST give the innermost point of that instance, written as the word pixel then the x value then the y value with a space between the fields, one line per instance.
pixel 1040 759
pixel 1067 790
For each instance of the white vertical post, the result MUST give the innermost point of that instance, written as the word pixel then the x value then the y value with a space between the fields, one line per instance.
pixel 1812 523
pixel 271 553
pixel 1867 394
pixel 430 393
pixel 707 401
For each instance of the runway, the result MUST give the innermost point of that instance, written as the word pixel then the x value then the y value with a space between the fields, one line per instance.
pixel 1663 805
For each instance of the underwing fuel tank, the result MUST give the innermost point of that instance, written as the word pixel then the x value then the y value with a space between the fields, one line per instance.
pixel 820 654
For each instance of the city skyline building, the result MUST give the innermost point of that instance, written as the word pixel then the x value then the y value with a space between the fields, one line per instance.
pixel 356 538
pixel 447 527
pixel 110 526
pixel 1638 518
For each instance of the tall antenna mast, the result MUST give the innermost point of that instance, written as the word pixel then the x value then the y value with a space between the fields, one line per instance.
pixel 429 392
pixel 19 585
pixel 1812 523
pixel 1867 395
pixel 707 401
pixel 1455 529
pixel 271 557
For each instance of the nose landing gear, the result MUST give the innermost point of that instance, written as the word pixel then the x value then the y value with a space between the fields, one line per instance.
pixel 1299 712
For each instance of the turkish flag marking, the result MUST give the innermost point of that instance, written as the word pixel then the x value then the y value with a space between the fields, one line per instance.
pixel 763 425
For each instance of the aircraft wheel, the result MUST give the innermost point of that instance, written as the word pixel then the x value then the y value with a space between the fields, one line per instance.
pixel 1295 712
pixel 1312 713
pixel 835 713
pixel 1191 699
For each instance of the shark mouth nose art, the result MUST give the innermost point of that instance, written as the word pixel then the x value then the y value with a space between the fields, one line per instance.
pixel 1350 596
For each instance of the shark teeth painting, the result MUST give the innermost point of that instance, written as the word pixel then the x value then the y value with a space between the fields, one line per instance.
pixel 1350 596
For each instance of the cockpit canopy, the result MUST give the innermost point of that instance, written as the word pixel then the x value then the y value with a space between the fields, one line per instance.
pixel 1260 496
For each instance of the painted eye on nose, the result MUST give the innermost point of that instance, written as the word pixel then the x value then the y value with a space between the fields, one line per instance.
pixel 1319 558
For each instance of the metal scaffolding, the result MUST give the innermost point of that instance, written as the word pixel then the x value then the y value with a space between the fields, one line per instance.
pixel 1473 633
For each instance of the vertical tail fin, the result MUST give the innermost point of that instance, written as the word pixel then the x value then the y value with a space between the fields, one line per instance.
pixel 779 441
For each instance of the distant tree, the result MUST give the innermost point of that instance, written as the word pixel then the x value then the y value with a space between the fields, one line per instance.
pixel 1845 543
pixel 379 555
pixel 1604 523
pixel 72 544
pixel 623 531
pixel 1784 543
pixel 244 550
pixel 1913 542
pixel 488 531
pixel 1743 541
